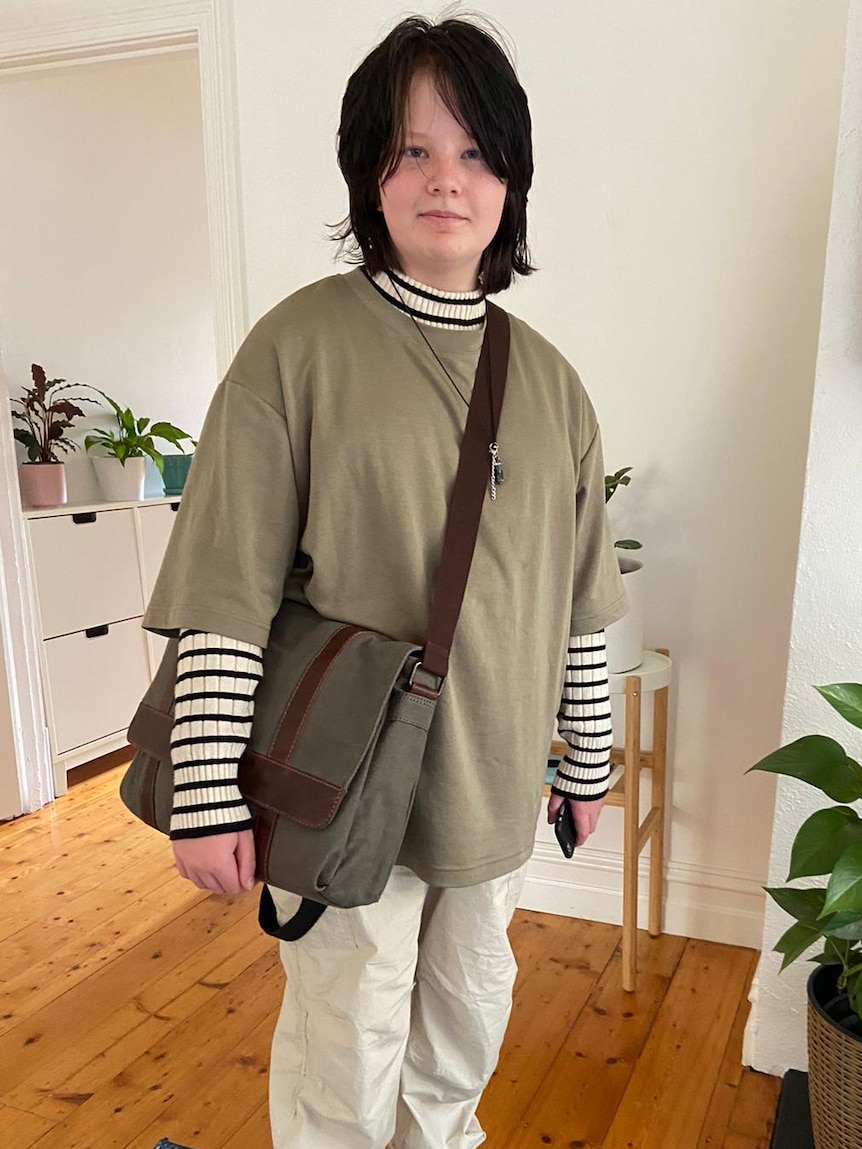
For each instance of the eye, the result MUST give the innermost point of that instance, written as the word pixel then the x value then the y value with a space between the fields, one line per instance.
pixel 414 153
pixel 473 154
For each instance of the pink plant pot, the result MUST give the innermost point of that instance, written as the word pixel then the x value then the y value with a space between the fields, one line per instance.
pixel 42 484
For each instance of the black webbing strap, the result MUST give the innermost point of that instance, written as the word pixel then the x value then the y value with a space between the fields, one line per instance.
pixel 297 927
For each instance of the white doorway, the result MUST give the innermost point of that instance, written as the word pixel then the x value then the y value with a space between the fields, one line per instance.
pixel 123 271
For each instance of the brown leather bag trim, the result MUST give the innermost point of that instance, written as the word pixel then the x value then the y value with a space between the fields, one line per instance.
pixel 275 786
pixel 305 692
pixel 264 831
pixel 150 730
pixel 148 791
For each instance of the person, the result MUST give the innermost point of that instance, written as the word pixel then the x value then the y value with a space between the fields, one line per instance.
pixel 323 473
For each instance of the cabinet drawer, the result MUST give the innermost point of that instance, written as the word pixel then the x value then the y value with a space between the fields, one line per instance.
pixel 87 571
pixel 96 683
pixel 156 523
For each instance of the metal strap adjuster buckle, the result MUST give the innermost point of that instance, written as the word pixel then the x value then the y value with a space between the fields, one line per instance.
pixel 424 689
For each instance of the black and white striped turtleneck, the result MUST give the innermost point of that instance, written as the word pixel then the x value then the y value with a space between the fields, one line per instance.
pixel 217 676
pixel 455 310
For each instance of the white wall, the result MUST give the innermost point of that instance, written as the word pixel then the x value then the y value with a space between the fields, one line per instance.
pixel 826 638
pixel 679 214
pixel 105 274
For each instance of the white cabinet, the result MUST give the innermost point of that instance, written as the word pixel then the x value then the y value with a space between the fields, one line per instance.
pixel 94 568
pixel 86 567
pixel 97 677
pixel 154 523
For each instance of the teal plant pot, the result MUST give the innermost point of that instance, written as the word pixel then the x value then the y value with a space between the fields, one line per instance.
pixel 176 468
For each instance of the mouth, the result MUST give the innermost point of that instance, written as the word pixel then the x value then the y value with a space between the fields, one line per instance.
pixel 441 215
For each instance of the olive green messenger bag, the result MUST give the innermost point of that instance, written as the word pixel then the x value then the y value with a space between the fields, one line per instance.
pixel 341 715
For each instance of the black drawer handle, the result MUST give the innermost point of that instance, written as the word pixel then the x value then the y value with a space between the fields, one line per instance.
pixel 175 506
pixel 84 517
pixel 96 631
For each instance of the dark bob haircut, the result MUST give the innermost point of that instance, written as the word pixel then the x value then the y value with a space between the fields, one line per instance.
pixel 477 83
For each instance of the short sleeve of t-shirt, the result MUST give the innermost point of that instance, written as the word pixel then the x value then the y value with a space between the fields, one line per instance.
pixel 598 594
pixel 234 539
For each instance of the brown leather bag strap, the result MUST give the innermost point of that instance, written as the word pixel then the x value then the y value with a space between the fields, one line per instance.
pixel 468 497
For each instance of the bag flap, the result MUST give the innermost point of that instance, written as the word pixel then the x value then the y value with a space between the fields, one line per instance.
pixel 262 781
pixel 323 727
pixel 332 726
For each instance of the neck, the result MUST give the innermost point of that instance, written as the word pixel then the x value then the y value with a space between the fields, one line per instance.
pixel 456 310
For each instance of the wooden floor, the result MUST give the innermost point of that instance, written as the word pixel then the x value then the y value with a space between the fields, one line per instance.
pixel 135 1007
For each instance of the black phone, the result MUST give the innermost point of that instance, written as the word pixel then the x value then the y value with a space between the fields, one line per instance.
pixel 564 828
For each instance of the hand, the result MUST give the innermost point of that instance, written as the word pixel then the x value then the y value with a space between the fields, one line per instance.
pixel 585 814
pixel 223 863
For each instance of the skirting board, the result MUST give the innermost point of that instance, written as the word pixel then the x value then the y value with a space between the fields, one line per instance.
pixel 715 905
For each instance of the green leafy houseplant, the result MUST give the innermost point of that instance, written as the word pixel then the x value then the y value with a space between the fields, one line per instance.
pixel 612 482
pixel 47 417
pixel 827 843
pixel 134 438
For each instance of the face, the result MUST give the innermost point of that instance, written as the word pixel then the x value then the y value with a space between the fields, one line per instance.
pixel 442 205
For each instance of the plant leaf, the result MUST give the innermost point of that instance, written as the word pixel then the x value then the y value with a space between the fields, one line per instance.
pixel 804 905
pixel 819 761
pixel 65 407
pixel 824 958
pixel 155 455
pixel 822 839
pixel 844 891
pixel 846 698
pixel 169 432
pixel 847 926
pixel 854 993
pixel 795 942
pixel 628 545
pixel 98 436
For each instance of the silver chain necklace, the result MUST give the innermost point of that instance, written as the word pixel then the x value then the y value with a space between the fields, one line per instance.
pixel 496 476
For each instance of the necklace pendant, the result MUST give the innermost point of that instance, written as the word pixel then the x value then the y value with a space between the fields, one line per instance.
pixel 497 475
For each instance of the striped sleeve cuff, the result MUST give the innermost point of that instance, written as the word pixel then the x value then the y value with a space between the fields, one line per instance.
pixel 213 710
pixel 584 721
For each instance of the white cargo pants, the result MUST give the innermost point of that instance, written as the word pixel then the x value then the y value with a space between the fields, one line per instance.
pixel 393 1017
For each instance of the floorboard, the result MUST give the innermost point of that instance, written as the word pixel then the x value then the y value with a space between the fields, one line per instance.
pixel 134 1007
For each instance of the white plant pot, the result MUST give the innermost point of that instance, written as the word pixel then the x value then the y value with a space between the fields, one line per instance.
pixel 625 638
pixel 121 484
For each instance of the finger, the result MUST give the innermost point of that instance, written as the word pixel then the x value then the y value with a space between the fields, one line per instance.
pixel 245 860
pixel 207 880
pixel 221 882
pixel 581 818
pixel 554 804
pixel 227 876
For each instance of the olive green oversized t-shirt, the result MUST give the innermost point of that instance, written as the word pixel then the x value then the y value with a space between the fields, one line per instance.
pixel 324 470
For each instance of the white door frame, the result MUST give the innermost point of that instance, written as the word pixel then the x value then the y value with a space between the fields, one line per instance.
pixel 41 38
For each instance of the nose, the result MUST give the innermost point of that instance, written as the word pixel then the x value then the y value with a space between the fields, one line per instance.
pixel 443 176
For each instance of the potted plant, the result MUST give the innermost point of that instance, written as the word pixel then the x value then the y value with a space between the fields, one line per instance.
pixel 625 638
pixel 828 844
pixel 47 420
pixel 121 470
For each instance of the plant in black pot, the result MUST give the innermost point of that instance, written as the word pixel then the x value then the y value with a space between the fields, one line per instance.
pixel 625 638
pixel 828 844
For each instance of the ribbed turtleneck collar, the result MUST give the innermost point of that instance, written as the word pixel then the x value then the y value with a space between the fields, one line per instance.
pixel 453 310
